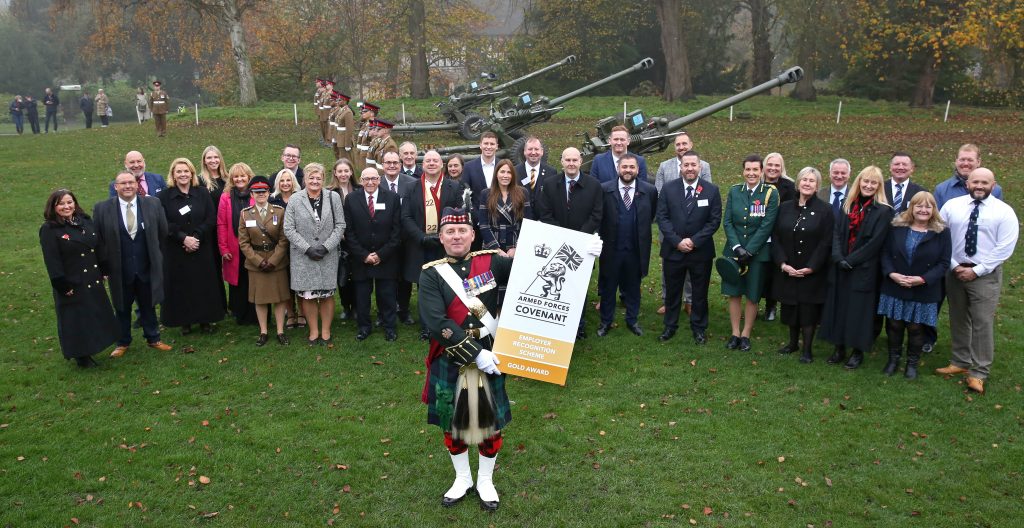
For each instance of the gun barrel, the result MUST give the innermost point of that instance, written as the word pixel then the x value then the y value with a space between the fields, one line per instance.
pixel 791 75
pixel 642 65
pixel 568 60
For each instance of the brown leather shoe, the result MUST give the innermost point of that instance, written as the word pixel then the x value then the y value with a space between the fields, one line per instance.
pixel 119 351
pixel 661 311
pixel 976 384
pixel 687 307
pixel 161 346
pixel 951 370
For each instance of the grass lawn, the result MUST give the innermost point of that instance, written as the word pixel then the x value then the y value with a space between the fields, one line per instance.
pixel 644 434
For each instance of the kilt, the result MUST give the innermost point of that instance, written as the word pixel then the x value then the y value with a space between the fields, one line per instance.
pixel 444 376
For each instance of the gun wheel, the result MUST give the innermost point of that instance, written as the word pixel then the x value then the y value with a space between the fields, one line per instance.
pixel 472 127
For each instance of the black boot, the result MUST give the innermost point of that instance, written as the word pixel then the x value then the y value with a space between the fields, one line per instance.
pixel 837 356
pixel 807 356
pixel 894 362
pixel 913 359
pixel 794 337
pixel 856 358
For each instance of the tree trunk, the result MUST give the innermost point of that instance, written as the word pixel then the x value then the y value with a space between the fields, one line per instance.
pixel 678 86
pixel 246 78
pixel 419 75
pixel 925 89
pixel 394 58
pixel 807 59
pixel 760 28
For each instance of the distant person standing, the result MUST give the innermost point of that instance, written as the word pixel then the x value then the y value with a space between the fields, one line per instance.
pixel 32 109
pixel 87 107
pixel 102 106
pixel 16 108
pixel 52 103
pixel 159 102
pixel 142 106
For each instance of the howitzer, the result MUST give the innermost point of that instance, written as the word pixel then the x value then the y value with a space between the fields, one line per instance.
pixel 458 110
pixel 654 135
pixel 511 115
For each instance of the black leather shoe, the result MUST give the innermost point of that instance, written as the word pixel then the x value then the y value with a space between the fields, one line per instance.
pixel 406 319
pixel 448 503
pixel 344 315
pixel 362 335
pixel 855 360
pixel 603 329
pixel 806 357
pixel 788 349
pixel 490 506
pixel 837 357
pixel 206 328
pixel 635 328
pixel 666 335
pixel 744 344
pixel 283 339
pixel 390 335
pixel 262 340
pixel 581 334
pixel 733 343
pixel 700 338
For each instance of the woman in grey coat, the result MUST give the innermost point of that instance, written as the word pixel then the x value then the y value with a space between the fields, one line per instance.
pixel 314 223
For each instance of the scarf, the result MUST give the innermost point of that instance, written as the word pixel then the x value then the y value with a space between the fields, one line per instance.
pixel 431 205
pixel 857 212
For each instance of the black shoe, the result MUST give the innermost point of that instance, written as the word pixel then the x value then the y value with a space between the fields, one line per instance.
pixel 699 337
pixel 206 328
pixel 837 356
pixel 491 506
pixel 137 324
pixel 581 334
pixel 894 363
pixel 186 330
pixel 667 334
pixel 390 335
pixel 806 357
pixel 262 340
pixel 733 343
pixel 86 362
pixel 602 329
pixel 344 315
pixel 378 323
pixel 855 360
pixel 744 344
pixel 406 319
pixel 635 328
pixel 448 503
pixel 314 342
pixel 788 349
pixel 283 339
pixel 362 335
pixel 424 335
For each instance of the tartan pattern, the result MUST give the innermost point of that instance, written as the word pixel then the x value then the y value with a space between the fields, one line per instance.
pixel 488 448
pixel 441 387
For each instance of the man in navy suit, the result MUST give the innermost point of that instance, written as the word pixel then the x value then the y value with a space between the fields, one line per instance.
pixel 689 213
pixel 149 184
pixel 402 185
pixel 629 207
pixel 533 171
pixel 479 172
pixel 407 153
pixel 899 189
pixel 603 167
pixel 373 228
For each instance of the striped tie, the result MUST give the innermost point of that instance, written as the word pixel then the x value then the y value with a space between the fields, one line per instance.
pixel 897 199
pixel 625 197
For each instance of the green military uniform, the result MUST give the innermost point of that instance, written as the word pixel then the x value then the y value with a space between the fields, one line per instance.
pixel 454 345
pixel 748 218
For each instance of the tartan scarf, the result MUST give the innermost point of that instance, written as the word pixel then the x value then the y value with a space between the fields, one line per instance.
pixel 857 211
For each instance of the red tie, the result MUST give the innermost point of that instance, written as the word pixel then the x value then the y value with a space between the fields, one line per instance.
pixel 142 188
pixel 369 205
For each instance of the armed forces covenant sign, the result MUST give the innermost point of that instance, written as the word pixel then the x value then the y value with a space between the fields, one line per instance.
pixel 544 301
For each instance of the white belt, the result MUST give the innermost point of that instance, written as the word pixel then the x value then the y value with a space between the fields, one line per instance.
pixel 455 283
pixel 363 147
pixel 324 107
pixel 341 129
pixel 333 124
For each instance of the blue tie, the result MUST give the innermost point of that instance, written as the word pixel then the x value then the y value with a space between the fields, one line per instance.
pixel 897 199
pixel 971 241
pixel 837 203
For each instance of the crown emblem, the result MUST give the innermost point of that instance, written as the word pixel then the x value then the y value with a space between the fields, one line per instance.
pixel 542 250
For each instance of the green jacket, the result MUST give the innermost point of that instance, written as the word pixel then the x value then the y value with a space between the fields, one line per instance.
pixel 749 219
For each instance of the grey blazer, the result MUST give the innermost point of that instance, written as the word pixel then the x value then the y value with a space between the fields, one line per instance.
pixel 304 230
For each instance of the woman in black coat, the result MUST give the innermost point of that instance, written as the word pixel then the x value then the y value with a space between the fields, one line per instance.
pixel 193 292
pixel 914 265
pixel 801 246
pixel 855 276
pixel 85 319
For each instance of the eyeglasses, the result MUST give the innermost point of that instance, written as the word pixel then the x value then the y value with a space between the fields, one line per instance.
pixel 370 178
pixel 392 162
pixel 291 156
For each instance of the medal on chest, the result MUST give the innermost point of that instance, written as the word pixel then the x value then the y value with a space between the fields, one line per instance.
pixel 479 284
pixel 757 208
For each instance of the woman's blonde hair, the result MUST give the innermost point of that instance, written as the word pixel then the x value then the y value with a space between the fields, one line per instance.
pixel 873 173
pixel 191 168
pixel 906 218
pixel 222 172
pixel 280 176
pixel 240 168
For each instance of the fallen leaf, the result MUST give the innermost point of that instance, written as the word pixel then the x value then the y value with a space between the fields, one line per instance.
pixel 74 520
pixel 828 482
pixel 597 466
pixel 708 510
pixel 205 423
pixel 693 362
pixel 550 416
pixel 782 459
pixel 209 515
pixel 346 489
pixel 203 479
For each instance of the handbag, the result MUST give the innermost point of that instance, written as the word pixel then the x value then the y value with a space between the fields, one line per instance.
pixel 110 111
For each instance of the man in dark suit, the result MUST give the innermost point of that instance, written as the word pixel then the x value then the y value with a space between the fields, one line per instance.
pixel 533 171
pixel 898 188
pixel 629 207
pixel 839 178
pixel 402 185
pixel 149 184
pixel 373 226
pixel 291 157
pixel 574 201
pixel 689 213
pixel 480 171
pixel 421 214
pixel 133 228
pixel 407 153
pixel 603 168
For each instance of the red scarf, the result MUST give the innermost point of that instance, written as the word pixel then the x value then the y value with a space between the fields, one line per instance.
pixel 857 211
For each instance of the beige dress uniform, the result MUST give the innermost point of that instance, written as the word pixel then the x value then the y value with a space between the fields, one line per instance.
pixel 344 139
pixel 159 103
pixel 384 145
pixel 323 109
pixel 362 146
pixel 269 243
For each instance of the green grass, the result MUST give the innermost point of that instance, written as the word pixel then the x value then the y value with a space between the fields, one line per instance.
pixel 644 434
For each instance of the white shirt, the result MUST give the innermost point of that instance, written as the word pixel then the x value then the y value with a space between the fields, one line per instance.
pixel 135 211
pixel 370 196
pixel 632 191
pixel 526 177
pixel 488 170
pixel 997 232
pixel 832 194
pixel 892 188
pixel 567 186
pixel 387 183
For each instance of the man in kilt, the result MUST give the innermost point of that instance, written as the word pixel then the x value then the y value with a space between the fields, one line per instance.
pixel 465 391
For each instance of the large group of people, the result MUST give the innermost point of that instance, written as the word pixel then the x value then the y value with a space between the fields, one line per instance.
pixel 842 259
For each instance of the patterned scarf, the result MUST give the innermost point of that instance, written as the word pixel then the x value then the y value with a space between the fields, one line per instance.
pixel 857 211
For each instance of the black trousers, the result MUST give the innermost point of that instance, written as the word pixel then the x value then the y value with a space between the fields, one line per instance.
pixel 49 116
pixel 88 119
pixel 137 290
pixel 33 121
pixel 403 295
pixel 699 273
pixel 386 305
pixel 624 276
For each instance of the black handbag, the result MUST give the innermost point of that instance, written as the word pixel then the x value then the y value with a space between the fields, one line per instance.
pixel 342 258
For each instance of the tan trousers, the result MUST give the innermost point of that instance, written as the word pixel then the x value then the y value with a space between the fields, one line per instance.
pixel 161 124
pixel 972 310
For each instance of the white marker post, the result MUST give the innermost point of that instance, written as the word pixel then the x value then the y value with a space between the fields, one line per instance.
pixel 839 112
pixel 403 113
pixel 295 110
pixel 730 113
pixel 197 114
pixel 623 112
pixel 946 117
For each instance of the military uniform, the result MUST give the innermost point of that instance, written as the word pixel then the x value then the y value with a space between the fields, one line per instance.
pixel 385 143
pixel 322 108
pixel 748 218
pixel 262 239
pixel 367 115
pixel 159 105
pixel 344 137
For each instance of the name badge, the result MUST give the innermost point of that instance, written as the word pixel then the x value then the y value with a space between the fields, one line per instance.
pixel 184 210
pixel 377 206
pixel 702 203
pixel 250 223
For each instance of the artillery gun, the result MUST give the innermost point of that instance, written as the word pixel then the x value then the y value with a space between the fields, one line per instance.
pixel 510 116
pixel 654 135
pixel 458 110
